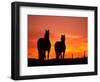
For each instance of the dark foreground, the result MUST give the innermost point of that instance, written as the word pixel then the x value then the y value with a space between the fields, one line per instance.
pixel 36 62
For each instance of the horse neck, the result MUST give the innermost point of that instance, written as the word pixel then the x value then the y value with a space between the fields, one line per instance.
pixel 63 41
pixel 46 37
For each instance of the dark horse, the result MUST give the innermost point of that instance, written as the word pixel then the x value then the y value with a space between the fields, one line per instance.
pixel 44 45
pixel 60 48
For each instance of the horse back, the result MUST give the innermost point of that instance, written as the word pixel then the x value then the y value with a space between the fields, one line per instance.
pixel 59 46
pixel 43 44
pixel 40 44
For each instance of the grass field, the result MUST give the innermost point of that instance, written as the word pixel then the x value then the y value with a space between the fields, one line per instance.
pixel 37 62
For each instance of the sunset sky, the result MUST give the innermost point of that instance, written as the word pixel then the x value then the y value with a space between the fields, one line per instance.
pixel 74 28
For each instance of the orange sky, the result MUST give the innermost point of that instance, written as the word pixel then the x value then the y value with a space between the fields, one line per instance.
pixel 74 28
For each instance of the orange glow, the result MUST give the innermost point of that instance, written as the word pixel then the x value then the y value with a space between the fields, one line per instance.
pixel 74 28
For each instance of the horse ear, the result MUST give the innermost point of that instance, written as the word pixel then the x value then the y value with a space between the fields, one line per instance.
pixel 63 36
pixel 48 30
pixel 45 30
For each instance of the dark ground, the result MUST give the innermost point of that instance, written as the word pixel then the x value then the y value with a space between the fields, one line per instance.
pixel 36 62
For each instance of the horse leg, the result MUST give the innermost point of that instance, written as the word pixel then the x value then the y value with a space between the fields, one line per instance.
pixel 44 55
pixel 39 54
pixel 63 54
pixel 57 56
pixel 48 55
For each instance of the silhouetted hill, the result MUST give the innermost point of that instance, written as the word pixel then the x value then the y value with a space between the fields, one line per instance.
pixel 36 62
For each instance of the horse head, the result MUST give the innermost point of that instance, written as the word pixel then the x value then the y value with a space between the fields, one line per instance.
pixel 46 34
pixel 63 38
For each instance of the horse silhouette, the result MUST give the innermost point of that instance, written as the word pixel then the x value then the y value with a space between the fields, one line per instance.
pixel 44 45
pixel 60 48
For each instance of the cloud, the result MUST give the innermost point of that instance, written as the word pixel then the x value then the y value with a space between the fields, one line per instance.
pixel 74 36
